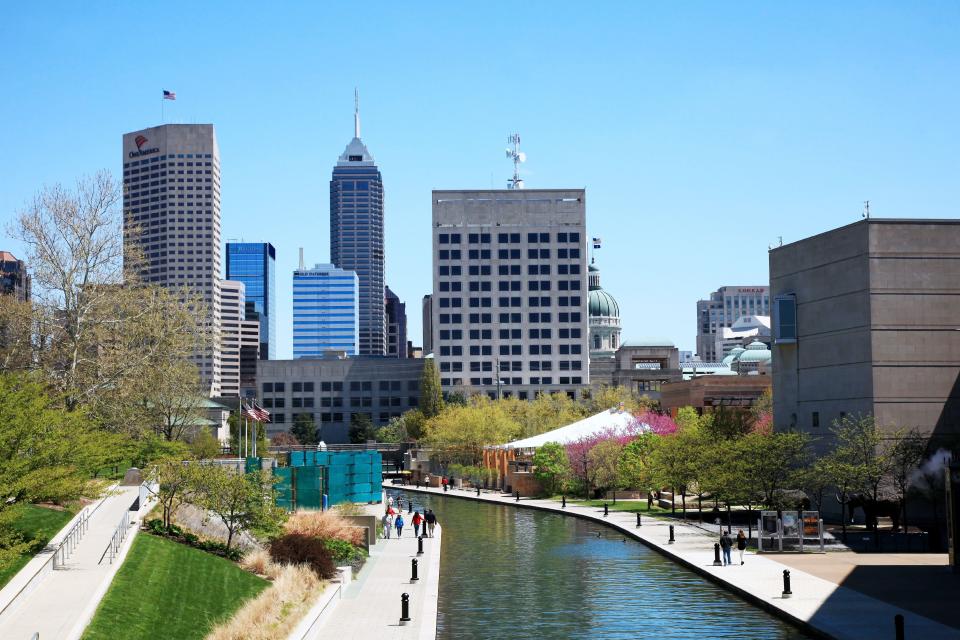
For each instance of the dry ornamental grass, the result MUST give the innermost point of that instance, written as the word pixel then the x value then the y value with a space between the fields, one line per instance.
pixel 324 524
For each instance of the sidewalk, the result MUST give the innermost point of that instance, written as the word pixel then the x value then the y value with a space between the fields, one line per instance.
pixel 370 607
pixel 820 606
pixel 62 597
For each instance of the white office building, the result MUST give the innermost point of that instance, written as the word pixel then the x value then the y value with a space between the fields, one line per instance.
pixel 325 311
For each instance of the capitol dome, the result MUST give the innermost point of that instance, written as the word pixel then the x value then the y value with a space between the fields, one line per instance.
pixel 604 317
pixel 600 303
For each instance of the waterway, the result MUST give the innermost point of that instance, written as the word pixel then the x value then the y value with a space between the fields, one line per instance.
pixel 520 573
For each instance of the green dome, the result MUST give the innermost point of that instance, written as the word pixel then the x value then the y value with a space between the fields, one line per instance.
pixel 602 303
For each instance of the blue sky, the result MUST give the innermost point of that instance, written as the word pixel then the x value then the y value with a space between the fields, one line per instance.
pixel 701 132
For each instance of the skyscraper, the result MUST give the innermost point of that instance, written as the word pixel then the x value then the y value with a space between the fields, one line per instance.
pixel 171 212
pixel 254 264
pixel 724 307
pixel 239 339
pixel 356 235
pixel 14 280
pixel 396 325
pixel 324 311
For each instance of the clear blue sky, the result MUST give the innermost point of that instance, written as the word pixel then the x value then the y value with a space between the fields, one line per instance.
pixel 701 132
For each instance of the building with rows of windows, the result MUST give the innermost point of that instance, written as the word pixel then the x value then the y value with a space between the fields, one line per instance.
pixel 255 265
pixel 509 304
pixel 325 311
pixel 724 307
pixel 171 213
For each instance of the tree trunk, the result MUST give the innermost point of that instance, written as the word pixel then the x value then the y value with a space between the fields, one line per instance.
pixel 683 499
pixel 229 537
pixel 673 500
pixel 729 522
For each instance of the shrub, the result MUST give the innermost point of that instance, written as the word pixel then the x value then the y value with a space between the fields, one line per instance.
pixel 323 524
pixel 296 548
pixel 258 561
pixel 342 551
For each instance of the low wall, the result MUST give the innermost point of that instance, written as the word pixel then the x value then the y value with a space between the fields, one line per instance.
pixel 369 523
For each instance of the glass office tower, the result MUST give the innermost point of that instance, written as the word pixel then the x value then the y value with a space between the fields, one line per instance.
pixel 356 236
pixel 325 311
pixel 255 264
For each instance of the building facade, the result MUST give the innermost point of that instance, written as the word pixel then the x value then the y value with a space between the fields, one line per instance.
pixel 330 390
pixel 865 322
pixel 255 265
pixel 325 311
pixel 396 325
pixel 14 279
pixel 510 291
pixel 171 214
pixel 722 309
pixel 604 337
pixel 741 333
pixel 356 236
pixel 239 339
pixel 426 310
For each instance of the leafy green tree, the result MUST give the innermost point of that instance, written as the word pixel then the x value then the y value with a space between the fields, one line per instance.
pixel 906 453
pixel 394 431
pixel 673 462
pixel 859 463
pixel 773 463
pixel 205 445
pixel 551 467
pixel 240 501
pixel 604 464
pixel 361 428
pixel 634 467
pixel 242 430
pixel 460 433
pixel 431 395
pixel 729 424
pixel 304 429
pixel 175 479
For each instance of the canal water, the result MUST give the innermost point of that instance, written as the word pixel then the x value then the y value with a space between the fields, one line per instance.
pixel 520 573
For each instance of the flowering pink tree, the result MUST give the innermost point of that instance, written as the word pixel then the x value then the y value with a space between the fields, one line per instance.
pixel 660 424
pixel 578 451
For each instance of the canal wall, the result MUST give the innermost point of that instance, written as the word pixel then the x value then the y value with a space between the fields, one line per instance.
pixel 818 607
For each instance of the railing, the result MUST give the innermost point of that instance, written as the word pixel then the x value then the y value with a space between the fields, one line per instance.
pixel 119 535
pixel 71 540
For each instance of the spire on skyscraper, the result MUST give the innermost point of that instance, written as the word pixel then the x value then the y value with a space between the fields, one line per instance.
pixel 356 112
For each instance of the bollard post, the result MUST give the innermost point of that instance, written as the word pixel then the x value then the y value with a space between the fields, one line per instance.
pixel 898 626
pixel 638 519
pixel 606 510
pixel 410 506
pixel 671 540
pixel 518 496
pixel 413 570
pixel 404 608
pixel 563 503
pixel 786 584
pixel 420 545
pixel 478 491
pixel 716 555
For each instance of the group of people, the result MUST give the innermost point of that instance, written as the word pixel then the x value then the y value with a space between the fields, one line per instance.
pixel 394 520
pixel 726 544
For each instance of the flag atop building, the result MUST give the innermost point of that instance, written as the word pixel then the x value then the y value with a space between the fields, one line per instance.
pixel 169 95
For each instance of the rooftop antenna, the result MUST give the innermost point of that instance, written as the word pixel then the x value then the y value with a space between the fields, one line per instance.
pixel 356 112
pixel 517 156
pixel 301 259
pixel 866 209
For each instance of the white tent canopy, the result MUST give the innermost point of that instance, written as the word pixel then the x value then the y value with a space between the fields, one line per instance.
pixel 614 420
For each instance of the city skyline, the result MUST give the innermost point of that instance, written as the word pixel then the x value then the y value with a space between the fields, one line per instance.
pixel 766 123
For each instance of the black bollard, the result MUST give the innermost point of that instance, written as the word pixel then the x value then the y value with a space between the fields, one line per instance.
pixel 420 545
pixel 478 491
pixel 786 584
pixel 518 496
pixel 563 504
pixel 404 608
pixel 409 506
pixel 413 570
pixel 606 510
pixel 716 555
pixel 638 519
pixel 898 626
pixel 671 540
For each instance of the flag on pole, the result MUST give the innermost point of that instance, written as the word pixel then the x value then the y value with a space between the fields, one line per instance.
pixel 262 414
pixel 596 243
pixel 169 95
pixel 248 412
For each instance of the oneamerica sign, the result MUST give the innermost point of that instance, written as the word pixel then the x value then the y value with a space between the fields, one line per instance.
pixel 143 152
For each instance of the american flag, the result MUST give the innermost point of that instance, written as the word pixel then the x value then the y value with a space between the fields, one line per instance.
pixel 596 243
pixel 169 95
pixel 255 412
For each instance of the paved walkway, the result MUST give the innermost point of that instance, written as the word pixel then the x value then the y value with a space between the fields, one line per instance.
pixel 61 597
pixel 370 607
pixel 817 604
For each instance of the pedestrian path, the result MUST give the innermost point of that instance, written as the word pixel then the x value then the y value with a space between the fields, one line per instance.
pixel 62 597
pixel 370 606
pixel 816 604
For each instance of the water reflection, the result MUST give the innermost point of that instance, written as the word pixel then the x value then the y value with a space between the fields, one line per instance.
pixel 519 573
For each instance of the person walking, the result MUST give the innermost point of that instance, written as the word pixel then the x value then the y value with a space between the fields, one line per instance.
pixel 431 522
pixel 741 544
pixel 417 519
pixel 726 542
pixel 398 523
pixel 443 481
pixel 387 525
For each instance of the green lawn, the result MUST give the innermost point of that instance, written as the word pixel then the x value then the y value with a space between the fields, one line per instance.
pixel 35 522
pixel 631 506
pixel 167 590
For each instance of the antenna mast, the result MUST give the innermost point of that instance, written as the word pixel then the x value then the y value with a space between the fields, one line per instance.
pixel 514 153
pixel 356 112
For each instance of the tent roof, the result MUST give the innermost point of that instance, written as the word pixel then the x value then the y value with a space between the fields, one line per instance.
pixel 612 419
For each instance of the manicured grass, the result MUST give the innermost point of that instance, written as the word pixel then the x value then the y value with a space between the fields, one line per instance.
pixel 167 590
pixel 39 523
pixel 631 506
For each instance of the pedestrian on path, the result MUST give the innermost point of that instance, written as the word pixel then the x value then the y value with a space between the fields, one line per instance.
pixel 390 501
pixel 398 523
pixel 387 525
pixel 431 522
pixel 741 544
pixel 726 542
pixel 417 519
pixel 443 481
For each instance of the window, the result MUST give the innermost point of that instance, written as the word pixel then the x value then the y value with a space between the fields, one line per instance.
pixel 268 387
pixel 785 319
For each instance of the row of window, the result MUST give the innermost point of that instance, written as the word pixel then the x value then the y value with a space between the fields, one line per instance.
pixel 355 401
pixel 515 318
pixel 506 238
pixel 507 270
pixel 508 285
pixel 515 301
pixel 355 385
pixel 545 380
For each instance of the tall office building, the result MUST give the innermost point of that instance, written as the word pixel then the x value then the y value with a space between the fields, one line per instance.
pixel 724 307
pixel 255 264
pixel 396 325
pixel 171 212
pixel 510 291
pixel 14 279
pixel 356 235
pixel 239 339
pixel 325 311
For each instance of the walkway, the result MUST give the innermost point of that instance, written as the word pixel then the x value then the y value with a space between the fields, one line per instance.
pixel 370 607
pixel 819 605
pixel 63 596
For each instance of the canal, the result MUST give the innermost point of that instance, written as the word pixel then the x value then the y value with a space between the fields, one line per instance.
pixel 520 573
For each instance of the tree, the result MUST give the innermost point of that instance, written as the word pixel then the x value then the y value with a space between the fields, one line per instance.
pixel 608 397
pixel 431 395
pixel 242 432
pixel 762 413
pixel 672 463
pixel 394 431
pixel 773 463
pixel 361 428
pixel 175 479
pixel 304 429
pixel 283 439
pixel 729 424
pixel 551 467
pixel 858 463
pixel 906 453
pixel 633 467
pixel 460 433
pixel 240 501
pixel 604 460
pixel 205 445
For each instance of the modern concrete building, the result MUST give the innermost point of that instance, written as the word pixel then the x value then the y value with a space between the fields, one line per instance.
pixel 238 336
pixel 171 213
pixel 356 236
pixel 255 265
pixel 426 310
pixel 865 322
pixel 14 279
pixel 325 311
pixel 396 325
pixel 510 291
pixel 722 309
pixel 332 389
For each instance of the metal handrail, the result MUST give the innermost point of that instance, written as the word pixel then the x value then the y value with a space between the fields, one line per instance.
pixel 71 540
pixel 119 535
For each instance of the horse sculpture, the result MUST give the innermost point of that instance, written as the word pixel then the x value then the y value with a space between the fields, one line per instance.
pixel 874 509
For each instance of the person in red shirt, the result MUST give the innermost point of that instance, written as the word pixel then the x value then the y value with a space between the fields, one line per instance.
pixel 417 521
